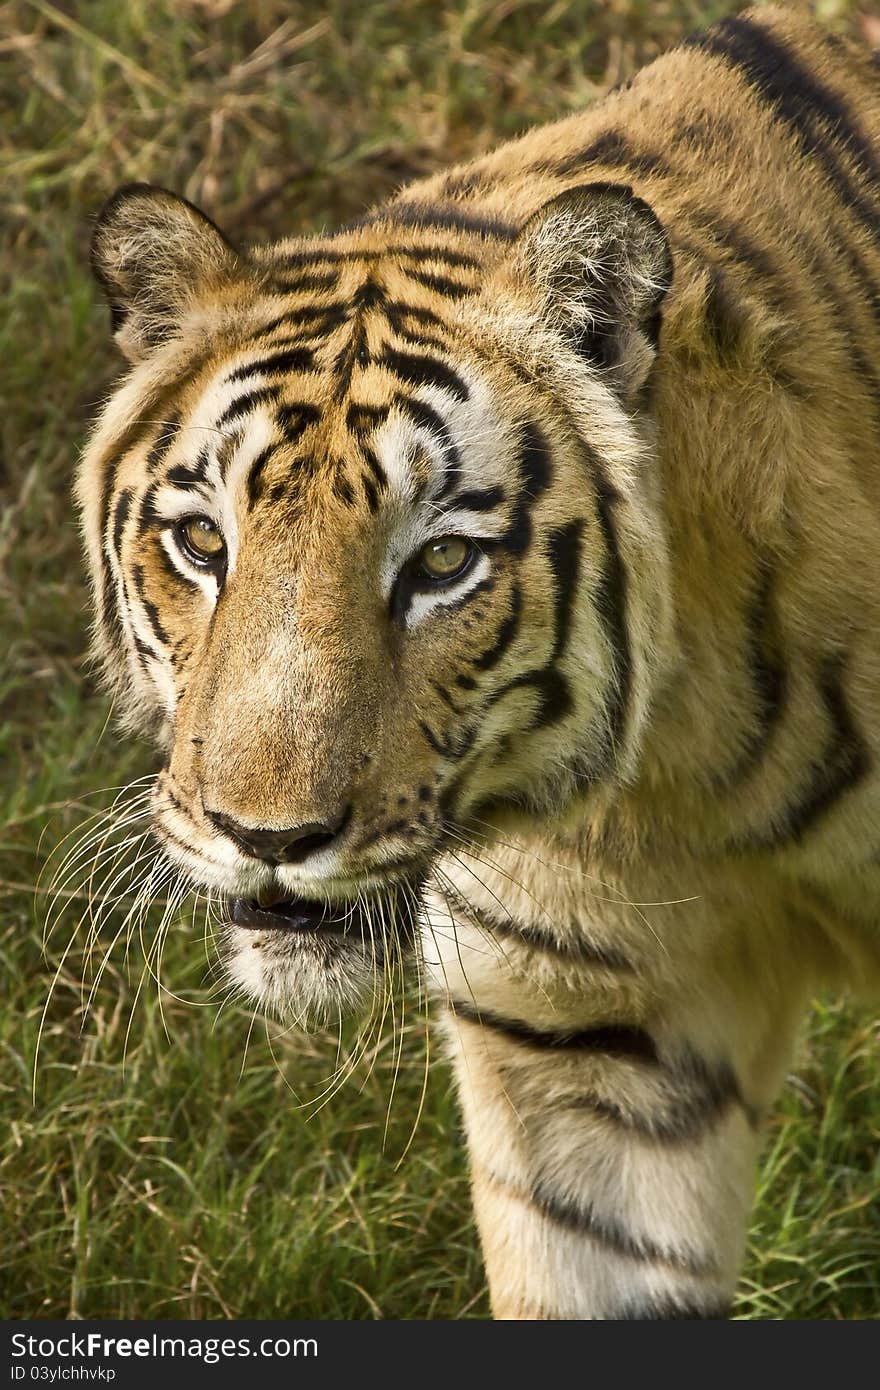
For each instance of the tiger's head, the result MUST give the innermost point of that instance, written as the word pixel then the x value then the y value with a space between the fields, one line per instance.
pixel 375 551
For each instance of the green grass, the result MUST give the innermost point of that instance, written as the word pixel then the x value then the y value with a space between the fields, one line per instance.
pixel 190 1182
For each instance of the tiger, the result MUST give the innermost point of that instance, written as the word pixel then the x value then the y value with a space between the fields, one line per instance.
pixel 494 576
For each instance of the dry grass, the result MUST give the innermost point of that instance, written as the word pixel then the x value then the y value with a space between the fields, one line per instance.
pixel 187 1184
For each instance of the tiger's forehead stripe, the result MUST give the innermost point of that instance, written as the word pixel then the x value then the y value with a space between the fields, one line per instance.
pixel 335 343
pixel 430 251
pixel 284 362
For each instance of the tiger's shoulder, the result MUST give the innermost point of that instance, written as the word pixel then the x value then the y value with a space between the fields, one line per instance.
pixel 757 98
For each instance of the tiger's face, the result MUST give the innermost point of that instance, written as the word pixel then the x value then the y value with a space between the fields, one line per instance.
pixel 357 518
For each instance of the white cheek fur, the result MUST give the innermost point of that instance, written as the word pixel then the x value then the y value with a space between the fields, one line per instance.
pixel 421 605
pixel 206 581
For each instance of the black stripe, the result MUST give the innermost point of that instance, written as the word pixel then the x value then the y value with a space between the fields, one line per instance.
pixel 782 292
pixel 768 677
pixel 825 284
pixel 611 605
pixel 396 312
pixel 375 467
pixel 867 289
pixel 149 513
pixel 425 417
pixel 440 284
pixel 295 418
pixel 187 478
pixel 119 520
pixel 162 830
pixel 435 215
pixel 162 443
pixel 109 604
pixel 319 254
pixel 778 288
pixel 152 612
pixel 535 475
pixel 616 1040
pixel 300 283
pixel 564 553
pixel 816 116
pixel 578 950
pixel 827 280
pixel 730 237
pixel 433 741
pixel 581 1217
pixel 846 760
pixel 243 404
pixel 111 622
pixel 452 747
pixel 144 651
pixel 314 319
pixel 355 354
pixel 611 149
pixel 698 1094
pixel 554 696
pixel 120 517
pixel 409 583
pixel 173 799
pixel 433 252
pixel 368 295
pixel 477 500
pixel 418 369
pixel 534 460
pixel 446 697
pixel 838 768
pixel 723 313
pixel 505 637
pixel 361 419
pixel 202 461
pixel 340 484
pixel 176 575
pixel 255 474
pixel 370 493
pixel 290 359
pixel 444 255
pixel 461 184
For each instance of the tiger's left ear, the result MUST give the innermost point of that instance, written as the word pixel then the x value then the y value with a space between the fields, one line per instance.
pixel 600 261
pixel 154 254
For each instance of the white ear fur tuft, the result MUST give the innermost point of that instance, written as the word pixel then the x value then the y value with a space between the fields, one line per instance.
pixel 600 261
pixel 152 254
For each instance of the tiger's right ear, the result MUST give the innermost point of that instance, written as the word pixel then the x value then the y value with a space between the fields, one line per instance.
pixel 153 255
pixel 597 262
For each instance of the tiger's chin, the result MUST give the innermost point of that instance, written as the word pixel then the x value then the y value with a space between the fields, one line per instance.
pixel 310 963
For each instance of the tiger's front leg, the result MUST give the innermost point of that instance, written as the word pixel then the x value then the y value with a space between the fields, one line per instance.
pixel 608 1181
pixel 612 1131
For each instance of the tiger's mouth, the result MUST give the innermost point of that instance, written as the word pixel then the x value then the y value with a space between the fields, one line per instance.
pixel 299 915
pixel 313 961
pixel 364 919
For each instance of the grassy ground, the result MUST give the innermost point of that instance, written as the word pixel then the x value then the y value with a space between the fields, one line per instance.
pixel 187 1184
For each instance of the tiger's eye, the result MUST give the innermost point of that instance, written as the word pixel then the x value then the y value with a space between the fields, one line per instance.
pixel 201 538
pixel 446 557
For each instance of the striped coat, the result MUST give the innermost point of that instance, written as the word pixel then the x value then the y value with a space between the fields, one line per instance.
pixel 499 576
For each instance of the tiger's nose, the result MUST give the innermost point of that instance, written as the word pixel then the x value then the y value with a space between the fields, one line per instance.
pixel 290 846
